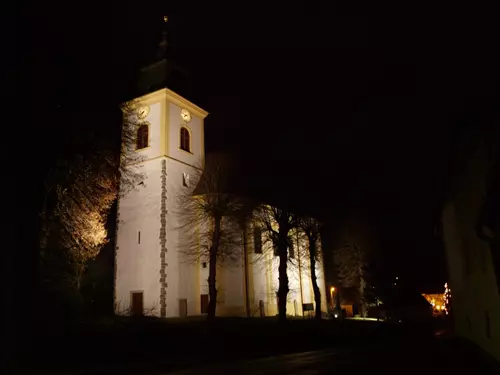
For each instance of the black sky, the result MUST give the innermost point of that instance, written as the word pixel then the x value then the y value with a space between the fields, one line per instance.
pixel 336 109
pixel 347 110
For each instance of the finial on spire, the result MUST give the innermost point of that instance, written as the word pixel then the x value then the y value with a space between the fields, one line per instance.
pixel 162 47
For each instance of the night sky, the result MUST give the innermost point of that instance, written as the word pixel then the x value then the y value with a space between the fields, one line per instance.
pixel 338 110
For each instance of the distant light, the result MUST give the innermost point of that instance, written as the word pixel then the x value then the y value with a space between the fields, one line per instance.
pixel 397 278
pixel 332 289
pixel 336 315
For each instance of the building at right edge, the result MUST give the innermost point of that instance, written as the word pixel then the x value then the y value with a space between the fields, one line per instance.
pixel 471 231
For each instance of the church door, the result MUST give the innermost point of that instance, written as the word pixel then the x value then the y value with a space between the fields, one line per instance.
pixel 204 303
pixel 137 308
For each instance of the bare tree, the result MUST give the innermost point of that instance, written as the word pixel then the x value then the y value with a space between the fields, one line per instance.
pixel 277 223
pixel 210 208
pixel 311 229
pixel 81 187
pixel 351 267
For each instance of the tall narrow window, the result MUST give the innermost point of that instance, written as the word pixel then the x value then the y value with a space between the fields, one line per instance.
pixel 142 136
pixel 257 240
pixel 185 141
pixel 291 249
pixel 185 179
pixel 204 303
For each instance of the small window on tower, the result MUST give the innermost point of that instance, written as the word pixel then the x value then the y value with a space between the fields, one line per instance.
pixel 291 249
pixel 142 136
pixel 257 240
pixel 185 139
pixel 185 179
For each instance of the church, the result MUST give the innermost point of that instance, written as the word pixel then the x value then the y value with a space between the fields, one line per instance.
pixel 152 275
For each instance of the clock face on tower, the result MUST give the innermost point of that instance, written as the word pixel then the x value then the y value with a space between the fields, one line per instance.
pixel 143 112
pixel 185 115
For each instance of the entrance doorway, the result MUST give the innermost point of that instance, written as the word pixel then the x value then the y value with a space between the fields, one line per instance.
pixel 137 304
pixel 204 303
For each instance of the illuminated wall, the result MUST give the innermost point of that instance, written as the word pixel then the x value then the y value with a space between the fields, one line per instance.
pixel 149 259
pixel 474 296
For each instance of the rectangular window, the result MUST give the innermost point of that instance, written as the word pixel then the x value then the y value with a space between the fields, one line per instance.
pixel 257 239
pixel 139 237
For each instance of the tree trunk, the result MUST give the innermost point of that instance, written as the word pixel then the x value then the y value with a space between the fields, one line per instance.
pixel 314 279
pixel 283 277
pixel 362 299
pixel 212 271
pixel 245 255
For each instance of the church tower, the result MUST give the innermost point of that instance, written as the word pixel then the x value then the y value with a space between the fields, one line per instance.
pixel 150 277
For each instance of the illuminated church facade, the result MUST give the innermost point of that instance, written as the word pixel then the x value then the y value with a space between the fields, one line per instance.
pixel 152 275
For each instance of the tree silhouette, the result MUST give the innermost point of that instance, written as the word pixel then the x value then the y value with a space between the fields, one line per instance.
pixel 80 188
pixel 277 222
pixel 211 210
pixel 311 229
pixel 352 260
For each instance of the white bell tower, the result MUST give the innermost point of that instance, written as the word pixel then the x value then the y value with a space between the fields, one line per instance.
pixel 150 277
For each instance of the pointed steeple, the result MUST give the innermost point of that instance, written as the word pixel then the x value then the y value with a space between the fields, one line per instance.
pixel 163 72
pixel 163 45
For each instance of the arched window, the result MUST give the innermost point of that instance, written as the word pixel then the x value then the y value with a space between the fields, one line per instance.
pixel 142 136
pixel 185 141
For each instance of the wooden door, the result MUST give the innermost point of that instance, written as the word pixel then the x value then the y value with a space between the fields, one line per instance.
pixel 204 303
pixel 137 308
pixel 183 307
